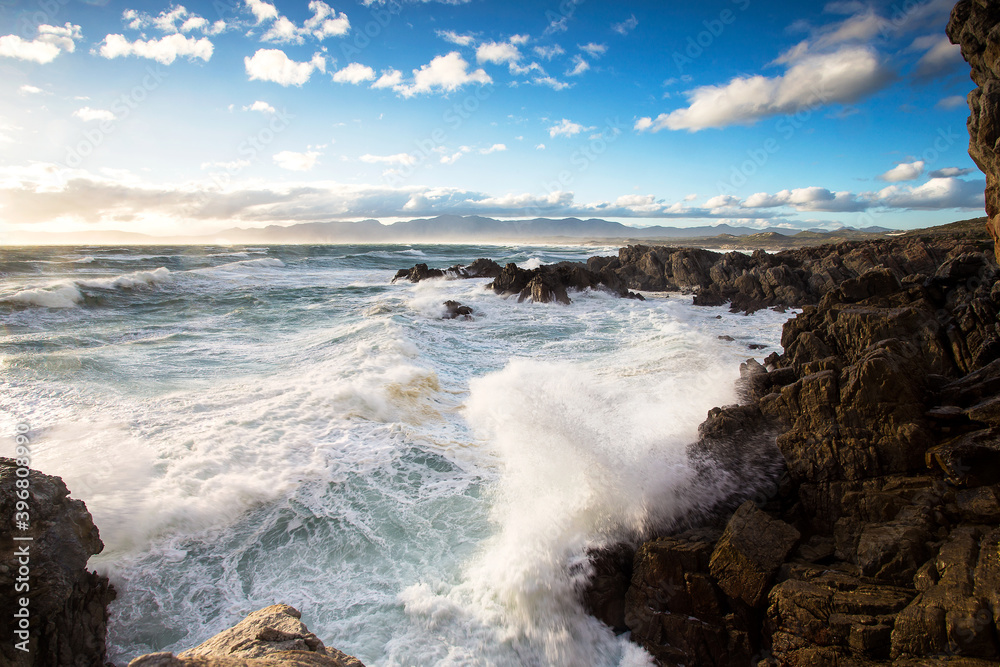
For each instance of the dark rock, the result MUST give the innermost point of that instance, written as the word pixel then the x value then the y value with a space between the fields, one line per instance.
pixel 604 596
pixel 271 637
pixel 417 273
pixel 67 603
pixel 749 553
pixel 453 310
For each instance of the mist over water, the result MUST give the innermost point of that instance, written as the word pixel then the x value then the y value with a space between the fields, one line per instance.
pixel 252 425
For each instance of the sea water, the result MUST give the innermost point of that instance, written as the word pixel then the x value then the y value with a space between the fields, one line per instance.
pixel 254 425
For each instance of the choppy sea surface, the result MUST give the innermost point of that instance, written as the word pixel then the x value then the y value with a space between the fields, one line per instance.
pixel 251 425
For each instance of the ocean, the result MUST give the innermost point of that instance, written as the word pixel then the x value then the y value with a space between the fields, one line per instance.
pixel 251 425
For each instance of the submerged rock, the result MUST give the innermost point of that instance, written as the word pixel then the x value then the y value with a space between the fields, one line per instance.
pixel 454 310
pixel 67 604
pixel 271 637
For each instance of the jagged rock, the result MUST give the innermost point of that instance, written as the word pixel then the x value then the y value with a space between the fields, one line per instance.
pixel 417 273
pixel 454 310
pixel 67 603
pixel 750 551
pixel 676 611
pixel 604 597
pixel 271 637
pixel 973 26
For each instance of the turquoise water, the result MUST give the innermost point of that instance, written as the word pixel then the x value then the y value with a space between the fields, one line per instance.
pixel 251 425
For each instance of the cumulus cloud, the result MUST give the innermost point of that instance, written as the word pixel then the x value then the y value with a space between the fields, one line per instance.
pixel 626 26
pixel 391 78
pixel 498 53
pixel 164 50
pixel 262 11
pixel 28 89
pixel 445 74
pixel 567 128
pixel 935 194
pixel 354 73
pixel 260 106
pixel 904 171
pixel 87 114
pixel 326 22
pixel 296 161
pixel 47 45
pixel 843 77
pixel 807 199
pixel 274 65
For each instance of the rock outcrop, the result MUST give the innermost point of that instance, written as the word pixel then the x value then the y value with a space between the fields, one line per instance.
pixel 790 278
pixel 66 602
pixel 880 542
pixel 271 637
pixel 974 27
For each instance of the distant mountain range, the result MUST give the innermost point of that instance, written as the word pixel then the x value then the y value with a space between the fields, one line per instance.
pixel 441 229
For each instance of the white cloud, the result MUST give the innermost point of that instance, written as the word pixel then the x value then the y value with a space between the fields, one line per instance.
pixel 626 26
pixel 262 107
pixel 497 53
pixel 495 148
pixel 941 57
pixel 444 73
pixel 232 166
pixel 950 172
pixel 904 171
pixel 937 193
pixel 560 24
pixel 326 22
pixel 580 65
pixel 549 52
pixel 27 89
pixel 296 161
pixel 552 83
pixel 263 11
pixel 282 31
pixel 454 157
pixel 167 21
pixel 404 159
pixel 594 50
pixel 354 73
pixel 455 38
pixel 274 65
pixel 390 79
pixel 164 50
pixel 540 147
pixel 841 77
pixel 47 45
pixel 951 102
pixel 87 114
pixel 567 128
pixel 194 23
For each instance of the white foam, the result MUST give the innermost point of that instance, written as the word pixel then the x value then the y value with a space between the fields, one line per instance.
pixel 130 280
pixel 61 295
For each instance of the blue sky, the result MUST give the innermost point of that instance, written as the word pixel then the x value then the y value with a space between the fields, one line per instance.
pixel 190 118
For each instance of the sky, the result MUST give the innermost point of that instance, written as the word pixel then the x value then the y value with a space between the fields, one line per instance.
pixel 166 118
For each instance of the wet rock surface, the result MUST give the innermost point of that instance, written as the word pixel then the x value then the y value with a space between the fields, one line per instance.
pixel 66 602
pixel 878 543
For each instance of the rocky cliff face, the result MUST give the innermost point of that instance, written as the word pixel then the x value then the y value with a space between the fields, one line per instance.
pixel 881 541
pixel 66 603
pixel 975 26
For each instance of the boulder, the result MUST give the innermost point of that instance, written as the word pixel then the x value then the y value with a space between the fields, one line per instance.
pixel 271 637
pixel 749 553
pixel 454 310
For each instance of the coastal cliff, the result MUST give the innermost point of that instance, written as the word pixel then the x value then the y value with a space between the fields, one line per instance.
pixel 881 541
pixel 974 27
